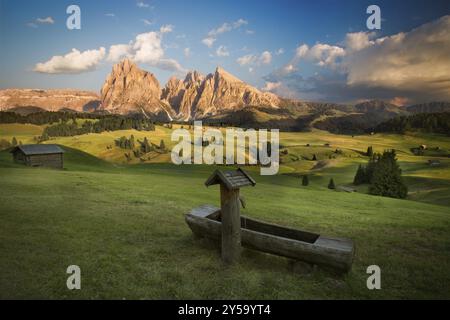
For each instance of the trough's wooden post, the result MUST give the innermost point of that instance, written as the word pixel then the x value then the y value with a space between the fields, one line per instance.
pixel 231 225
pixel 230 182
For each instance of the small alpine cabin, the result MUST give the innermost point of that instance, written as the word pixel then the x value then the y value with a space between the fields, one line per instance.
pixel 39 155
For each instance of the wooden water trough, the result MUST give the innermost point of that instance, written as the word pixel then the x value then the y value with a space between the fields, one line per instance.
pixel 210 222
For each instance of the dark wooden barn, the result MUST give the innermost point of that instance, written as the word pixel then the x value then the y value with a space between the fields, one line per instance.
pixel 39 155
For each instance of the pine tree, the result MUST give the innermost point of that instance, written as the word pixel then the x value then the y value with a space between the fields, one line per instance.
pixel 305 180
pixel 331 184
pixel 146 146
pixel 369 152
pixel 132 144
pixel 360 176
pixel 162 145
pixel 387 180
pixel 314 158
pixel 14 142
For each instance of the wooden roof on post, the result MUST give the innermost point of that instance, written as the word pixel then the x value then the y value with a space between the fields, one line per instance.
pixel 35 149
pixel 231 179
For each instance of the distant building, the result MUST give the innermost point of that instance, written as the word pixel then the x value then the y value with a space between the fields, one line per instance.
pixel 39 155
pixel 434 163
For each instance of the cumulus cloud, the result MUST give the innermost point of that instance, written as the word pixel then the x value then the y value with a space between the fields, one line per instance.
pixel 359 40
pixel 119 51
pixel 321 54
pixel 166 28
pixel 208 42
pixel 413 65
pixel 222 51
pixel 266 57
pixel 225 27
pixel 73 62
pixel 418 60
pixel 146 48
pixel 255 60
pixel 187 52
pixel 246 60
pixel 279 51
pixel 271 86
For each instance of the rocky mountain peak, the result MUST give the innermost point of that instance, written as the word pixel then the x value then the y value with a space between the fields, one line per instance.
pixel 193 77
pixel 128 89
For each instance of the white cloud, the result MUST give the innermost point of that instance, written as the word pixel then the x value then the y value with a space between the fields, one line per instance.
pixel 73 62
pixel 110 15
pixel 147 22
pixel 222 51
pixel 416 60
pixel 119 51
pixel 252 59
pixel 187 52
pixel 48 20
pixel 226 27
pixel 358 40
pixel 167 28
pixel 279 51
pixel 271 86
pixel 246 60
pixel 208 42
pixel 321 54
pixel 289 68
pixel 32 25
pixel 414 65
pixel 266 57
pixel 146 48
pixel 249 32
pixel 142 4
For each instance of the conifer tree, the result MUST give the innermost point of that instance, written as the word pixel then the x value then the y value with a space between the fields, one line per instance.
pixel 331 184
pixel 162 145
pixel 14 142
pixel 360 176
pixel 369 152
pixel 305 180
pixel 387 180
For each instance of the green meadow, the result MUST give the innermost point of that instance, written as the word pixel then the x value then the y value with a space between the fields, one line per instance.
pixel 123 223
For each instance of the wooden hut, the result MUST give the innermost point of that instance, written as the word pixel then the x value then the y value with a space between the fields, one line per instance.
pixel 39 155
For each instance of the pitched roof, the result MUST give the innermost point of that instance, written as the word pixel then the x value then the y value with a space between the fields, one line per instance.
pixel 32 149
pixel 231 179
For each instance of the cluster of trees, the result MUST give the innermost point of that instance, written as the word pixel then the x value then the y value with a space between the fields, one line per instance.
pixel 384 176
pixel 426 122
pixel 140 148
pixel 305 182
pixel 71 128
pixel 5 144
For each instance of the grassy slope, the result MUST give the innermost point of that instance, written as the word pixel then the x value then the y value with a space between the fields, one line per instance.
pixel 124 226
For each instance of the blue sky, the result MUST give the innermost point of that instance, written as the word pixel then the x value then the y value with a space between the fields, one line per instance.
pixel 254 40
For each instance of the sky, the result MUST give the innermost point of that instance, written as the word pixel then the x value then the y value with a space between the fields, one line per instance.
pixel 319 50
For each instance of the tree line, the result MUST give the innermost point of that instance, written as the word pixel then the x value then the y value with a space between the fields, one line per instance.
pixel 426 122
pixel 71 128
